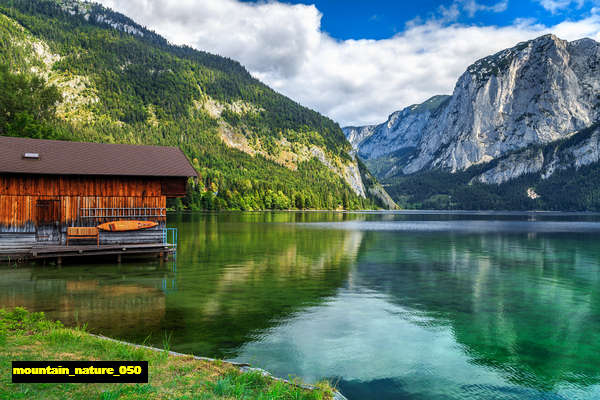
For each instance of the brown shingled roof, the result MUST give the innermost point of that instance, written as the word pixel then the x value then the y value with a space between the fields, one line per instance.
pixel 74 158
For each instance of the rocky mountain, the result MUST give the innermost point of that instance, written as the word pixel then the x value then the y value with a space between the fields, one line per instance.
pixel 574 152
pixel 402 131
pixel 120 82
pixel 534 93
pixel 504 109
pixel 356 134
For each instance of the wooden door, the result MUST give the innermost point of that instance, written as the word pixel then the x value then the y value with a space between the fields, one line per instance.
pixel 48 217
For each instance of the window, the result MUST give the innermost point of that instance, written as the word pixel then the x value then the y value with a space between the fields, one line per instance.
pixel 34 156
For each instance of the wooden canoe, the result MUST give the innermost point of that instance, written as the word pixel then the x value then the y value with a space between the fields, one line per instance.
pixel 121 226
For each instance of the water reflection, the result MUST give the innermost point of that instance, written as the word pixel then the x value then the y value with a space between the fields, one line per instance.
pixel 242 278
pixel 235 275
pixel 453 316
pixel 109 299
pixel 392 306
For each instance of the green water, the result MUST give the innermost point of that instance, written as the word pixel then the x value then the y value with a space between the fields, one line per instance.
pixel 388 305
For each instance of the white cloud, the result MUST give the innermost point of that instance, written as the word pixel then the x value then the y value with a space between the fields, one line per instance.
pixel 351 81
pixel 472 7
pixel 450 13
pixel 557 5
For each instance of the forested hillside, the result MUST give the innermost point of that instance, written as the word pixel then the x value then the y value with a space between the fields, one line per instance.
pixel 117 82
pixel 573 185
pixel 568 190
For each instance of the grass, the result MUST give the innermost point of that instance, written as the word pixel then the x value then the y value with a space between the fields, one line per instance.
pixel 30 336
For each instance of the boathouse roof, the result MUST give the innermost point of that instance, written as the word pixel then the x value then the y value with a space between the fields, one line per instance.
pixel 54 157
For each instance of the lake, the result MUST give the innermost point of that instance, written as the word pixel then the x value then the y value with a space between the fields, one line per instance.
pixel 406 305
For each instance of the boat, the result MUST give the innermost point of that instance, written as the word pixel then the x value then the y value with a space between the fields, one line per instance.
pixel 121 226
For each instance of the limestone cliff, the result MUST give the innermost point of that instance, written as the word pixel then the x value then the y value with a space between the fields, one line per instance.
pixel 533 94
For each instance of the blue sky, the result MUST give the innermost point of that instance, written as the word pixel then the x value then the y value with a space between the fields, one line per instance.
pixel 381 19
pixel 359 61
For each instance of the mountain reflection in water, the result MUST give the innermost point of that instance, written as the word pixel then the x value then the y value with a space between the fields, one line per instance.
pixel 389 305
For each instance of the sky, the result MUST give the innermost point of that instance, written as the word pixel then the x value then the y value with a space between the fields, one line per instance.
pixel 357 61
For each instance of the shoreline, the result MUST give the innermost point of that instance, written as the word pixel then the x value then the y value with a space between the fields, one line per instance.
pixel 402 211
pixel 243 367
pixel 31 336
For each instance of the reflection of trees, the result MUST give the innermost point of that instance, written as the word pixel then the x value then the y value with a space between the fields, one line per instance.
pixel 241 278
pixel 130 301
pixel 234 280
pixel 527 306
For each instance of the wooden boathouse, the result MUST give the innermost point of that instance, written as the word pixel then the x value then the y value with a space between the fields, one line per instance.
pixel 48 186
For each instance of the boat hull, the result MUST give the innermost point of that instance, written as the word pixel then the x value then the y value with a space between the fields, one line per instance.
pixel 122 226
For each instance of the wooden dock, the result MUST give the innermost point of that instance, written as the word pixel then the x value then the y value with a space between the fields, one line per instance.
pixel 58 253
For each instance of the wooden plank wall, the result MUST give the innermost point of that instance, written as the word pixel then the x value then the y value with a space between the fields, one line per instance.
pixel 19 195
pixel 143 236
pixel 16 240
pixel 51 185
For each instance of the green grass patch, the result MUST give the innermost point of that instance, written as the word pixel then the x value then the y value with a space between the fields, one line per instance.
pixel 30 336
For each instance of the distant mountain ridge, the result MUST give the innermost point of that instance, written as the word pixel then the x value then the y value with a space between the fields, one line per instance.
pixel 402 131
pixel 537 93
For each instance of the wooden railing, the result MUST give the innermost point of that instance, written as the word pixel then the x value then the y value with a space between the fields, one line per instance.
pixel 103 213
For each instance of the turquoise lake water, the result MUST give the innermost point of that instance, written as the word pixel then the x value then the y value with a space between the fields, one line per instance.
pixel 406 305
